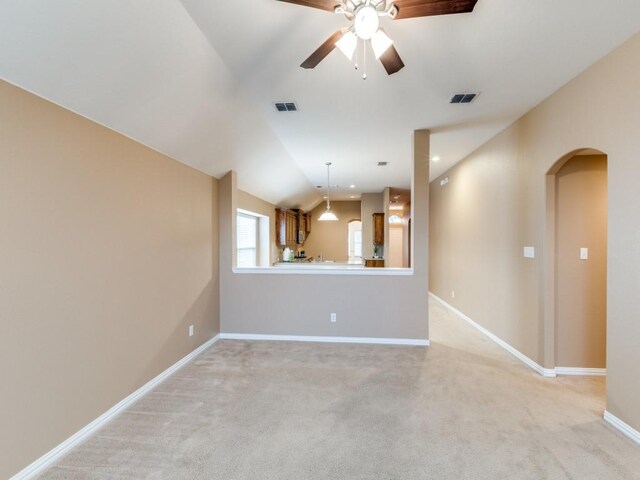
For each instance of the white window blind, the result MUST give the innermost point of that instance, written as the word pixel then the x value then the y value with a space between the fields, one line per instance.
pixel 247 240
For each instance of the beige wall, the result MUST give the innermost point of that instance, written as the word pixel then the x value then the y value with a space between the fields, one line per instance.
pixel 331 239
pixel 495 204
pixel 581 285
pixel 105 259
pixel 370 203
pixel 246 201
pixel 298 304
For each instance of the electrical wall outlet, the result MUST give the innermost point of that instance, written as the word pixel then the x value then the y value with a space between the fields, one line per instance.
pixel 334 318
pixel 584 253
pixel 191 330
pixel 453 294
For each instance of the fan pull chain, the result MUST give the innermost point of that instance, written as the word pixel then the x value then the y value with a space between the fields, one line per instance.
pixel 357 44
pixel 364 59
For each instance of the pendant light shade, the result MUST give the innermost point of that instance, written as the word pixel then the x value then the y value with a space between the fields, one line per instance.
pixel 328 215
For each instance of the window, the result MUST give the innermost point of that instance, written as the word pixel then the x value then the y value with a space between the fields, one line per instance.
pixel 252 239
pixel 247 240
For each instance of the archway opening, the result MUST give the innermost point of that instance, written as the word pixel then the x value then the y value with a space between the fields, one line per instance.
pixel 575 340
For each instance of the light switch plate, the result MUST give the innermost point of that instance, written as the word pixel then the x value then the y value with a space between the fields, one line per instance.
pixel 584 253
pixel 529 252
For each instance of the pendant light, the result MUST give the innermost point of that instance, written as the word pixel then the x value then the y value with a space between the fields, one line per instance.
pixel 328 215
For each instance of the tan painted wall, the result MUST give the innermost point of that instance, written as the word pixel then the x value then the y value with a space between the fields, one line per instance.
pixel 253 204
pixel 495 204
pixel 366 306
pixel 581 285
pixel 331 239
pixel 105 259
pixel 370 203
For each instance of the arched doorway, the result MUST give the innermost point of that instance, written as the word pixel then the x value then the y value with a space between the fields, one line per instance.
pixel 355 241
pixel 576 241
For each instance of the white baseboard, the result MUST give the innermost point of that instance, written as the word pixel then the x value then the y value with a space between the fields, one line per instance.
pixel 621 426
pixel 586 372
pixel 545 372
pixel 50 457
pixel 311 338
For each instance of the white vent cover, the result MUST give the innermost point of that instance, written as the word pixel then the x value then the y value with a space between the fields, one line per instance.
pixel 464 97
pixel 286 106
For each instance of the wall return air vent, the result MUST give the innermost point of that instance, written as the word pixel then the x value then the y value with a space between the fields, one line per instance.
pixel 463 97
pixel 286 106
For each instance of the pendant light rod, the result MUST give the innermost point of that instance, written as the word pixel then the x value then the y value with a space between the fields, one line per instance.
pixel 328 184
pixel 328 215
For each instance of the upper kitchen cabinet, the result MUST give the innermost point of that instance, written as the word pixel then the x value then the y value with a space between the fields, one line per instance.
pixel 302 234
pixel 307 223
pixel 286 227
pixel 378 228
pixel 292 227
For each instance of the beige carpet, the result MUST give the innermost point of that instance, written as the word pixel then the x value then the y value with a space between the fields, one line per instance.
pixel 461 409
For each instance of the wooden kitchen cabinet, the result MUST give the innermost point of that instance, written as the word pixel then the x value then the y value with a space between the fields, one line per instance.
pixel 281 227
pixel 292 227
pixel 374 262
pixel 301 232
pixel 286 227
pixel 378 228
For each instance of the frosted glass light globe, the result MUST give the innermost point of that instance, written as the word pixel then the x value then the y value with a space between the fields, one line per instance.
pixel 367 22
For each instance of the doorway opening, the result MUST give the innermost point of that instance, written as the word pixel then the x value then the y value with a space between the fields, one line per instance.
pixel 575 311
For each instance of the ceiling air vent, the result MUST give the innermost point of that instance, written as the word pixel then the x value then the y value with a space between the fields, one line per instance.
pixel 382 164
pixel 463 97
pixel 286 106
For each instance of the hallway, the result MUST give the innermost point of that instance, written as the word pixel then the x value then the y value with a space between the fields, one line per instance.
pixel 461 409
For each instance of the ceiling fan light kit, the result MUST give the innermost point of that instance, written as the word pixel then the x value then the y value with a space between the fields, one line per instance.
pixel 380 43
pixel 347 44
pixel 366 23
pixel 365 16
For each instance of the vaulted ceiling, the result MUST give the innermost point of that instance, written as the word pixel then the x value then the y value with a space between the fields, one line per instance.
pixel 196 80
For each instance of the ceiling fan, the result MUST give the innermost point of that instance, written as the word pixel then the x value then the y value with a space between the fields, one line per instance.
pixel 365 17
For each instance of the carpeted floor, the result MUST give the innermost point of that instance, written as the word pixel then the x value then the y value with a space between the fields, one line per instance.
pixel 461 409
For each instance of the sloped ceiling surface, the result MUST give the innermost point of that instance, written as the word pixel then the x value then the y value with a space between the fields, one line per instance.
pixel 195 79
pixel 145 69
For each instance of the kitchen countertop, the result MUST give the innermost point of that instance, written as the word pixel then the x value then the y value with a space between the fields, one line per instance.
pixel 326 268
pixel 318 265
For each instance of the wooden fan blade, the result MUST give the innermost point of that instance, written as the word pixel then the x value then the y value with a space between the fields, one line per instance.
pixel 323 50
pixel 425 8
pixel 391 61
pixel 328 5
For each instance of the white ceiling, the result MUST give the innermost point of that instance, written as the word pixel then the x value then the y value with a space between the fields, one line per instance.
pixel 196 79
